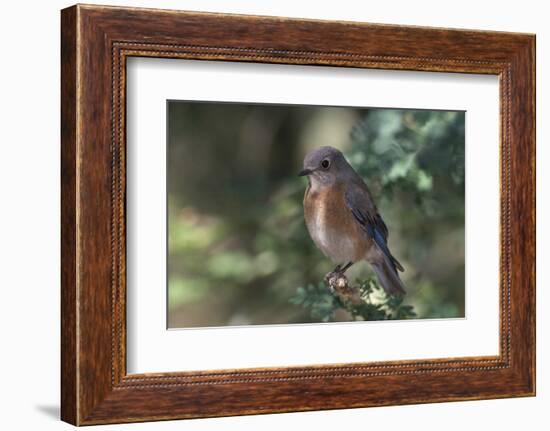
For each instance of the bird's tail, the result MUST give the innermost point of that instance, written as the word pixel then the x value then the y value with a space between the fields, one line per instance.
pixel 388 277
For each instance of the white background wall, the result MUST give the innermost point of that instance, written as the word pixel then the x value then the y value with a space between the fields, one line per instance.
pixel 29 215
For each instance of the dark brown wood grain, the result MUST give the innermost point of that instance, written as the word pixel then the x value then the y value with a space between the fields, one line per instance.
pixel 96 41
pixel 68 216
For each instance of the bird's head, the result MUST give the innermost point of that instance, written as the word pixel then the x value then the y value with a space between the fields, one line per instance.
pixel 325 166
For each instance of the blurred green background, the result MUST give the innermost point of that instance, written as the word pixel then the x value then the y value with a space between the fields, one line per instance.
pixel 238 248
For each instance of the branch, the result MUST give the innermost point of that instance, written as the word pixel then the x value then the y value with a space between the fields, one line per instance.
pixel 339 285
pixel 365 300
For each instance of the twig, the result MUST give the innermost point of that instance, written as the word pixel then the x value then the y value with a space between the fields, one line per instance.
pixel 339 285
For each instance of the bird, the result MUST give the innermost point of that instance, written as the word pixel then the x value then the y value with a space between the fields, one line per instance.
pixel 343 220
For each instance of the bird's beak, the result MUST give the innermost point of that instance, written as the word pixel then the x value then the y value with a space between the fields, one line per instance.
pixel 305 172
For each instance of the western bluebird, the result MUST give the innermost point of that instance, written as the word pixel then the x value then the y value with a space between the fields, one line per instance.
pixel 343 220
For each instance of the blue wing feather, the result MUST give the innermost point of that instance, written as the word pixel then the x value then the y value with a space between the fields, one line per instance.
pixel 364 211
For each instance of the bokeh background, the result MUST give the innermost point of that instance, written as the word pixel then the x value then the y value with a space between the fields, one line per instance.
pixel 238 248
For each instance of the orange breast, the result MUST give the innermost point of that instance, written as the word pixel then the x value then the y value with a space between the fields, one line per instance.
pixel 332 226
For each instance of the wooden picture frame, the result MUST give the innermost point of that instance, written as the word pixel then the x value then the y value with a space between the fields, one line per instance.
pixel 95 43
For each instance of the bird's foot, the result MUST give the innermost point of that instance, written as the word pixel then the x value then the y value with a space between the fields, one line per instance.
pixel 342 269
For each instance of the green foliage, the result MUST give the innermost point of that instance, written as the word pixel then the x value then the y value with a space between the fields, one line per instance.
pixel 414 162
pixel 316 299
pixel 418 154
pixel 376 304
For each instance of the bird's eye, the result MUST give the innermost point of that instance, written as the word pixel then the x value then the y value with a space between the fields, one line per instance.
pixel 325 164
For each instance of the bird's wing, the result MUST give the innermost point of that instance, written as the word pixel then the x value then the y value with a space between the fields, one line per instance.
pixel 364 211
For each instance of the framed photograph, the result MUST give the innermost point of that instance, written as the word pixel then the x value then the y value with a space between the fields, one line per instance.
pixel 266 215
